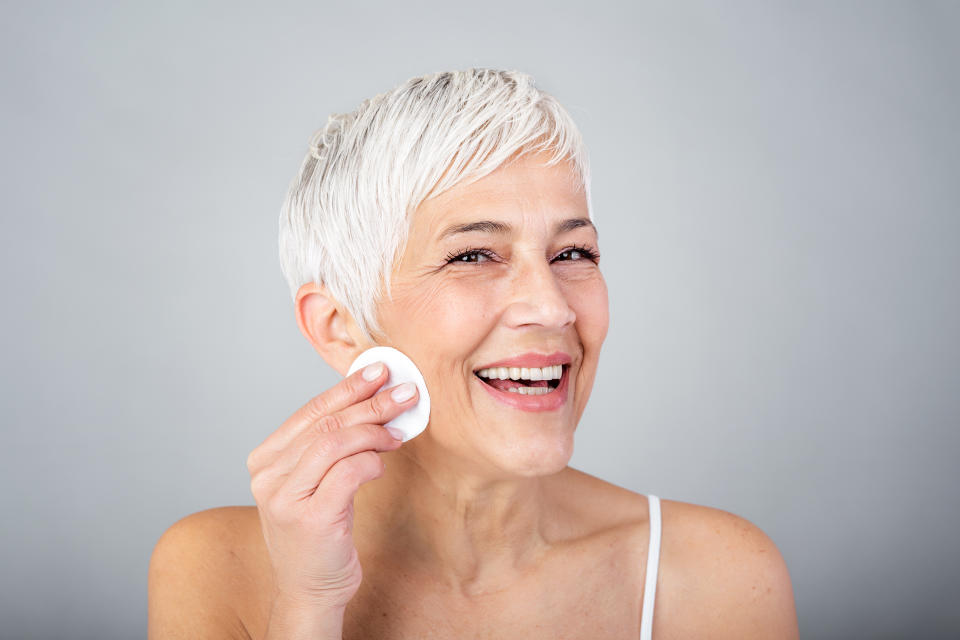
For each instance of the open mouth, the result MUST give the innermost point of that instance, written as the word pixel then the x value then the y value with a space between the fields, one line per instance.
pixel 525 381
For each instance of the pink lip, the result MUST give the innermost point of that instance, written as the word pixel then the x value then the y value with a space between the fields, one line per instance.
pixel 531 359
pixel 547 402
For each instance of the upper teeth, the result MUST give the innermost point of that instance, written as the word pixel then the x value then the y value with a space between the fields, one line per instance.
pixel 523 373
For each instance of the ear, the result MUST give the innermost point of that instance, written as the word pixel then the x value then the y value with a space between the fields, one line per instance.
pixel 329 327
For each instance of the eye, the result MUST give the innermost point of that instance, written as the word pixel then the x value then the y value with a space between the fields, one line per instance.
pixel 576 253
pixel 468 255
pixel 581 251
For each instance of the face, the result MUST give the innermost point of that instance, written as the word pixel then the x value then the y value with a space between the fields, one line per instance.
pixel 526 289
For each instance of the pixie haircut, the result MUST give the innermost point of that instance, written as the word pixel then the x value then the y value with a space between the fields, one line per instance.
pixel 346 216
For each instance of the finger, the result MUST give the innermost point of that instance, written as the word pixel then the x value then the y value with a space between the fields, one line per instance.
pixel 348 391
pixel 341 483
pixel 326 450
pixel 379 409
pixel 383 407
pixel 267 484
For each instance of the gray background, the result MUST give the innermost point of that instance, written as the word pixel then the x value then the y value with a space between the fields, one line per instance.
pixel 776 186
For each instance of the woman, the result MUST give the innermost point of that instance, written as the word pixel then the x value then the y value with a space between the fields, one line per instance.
pixel 450 218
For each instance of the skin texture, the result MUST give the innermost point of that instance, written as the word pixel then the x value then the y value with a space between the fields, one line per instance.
pixel 477 527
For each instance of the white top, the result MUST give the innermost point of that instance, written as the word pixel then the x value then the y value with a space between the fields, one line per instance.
pixel 653 564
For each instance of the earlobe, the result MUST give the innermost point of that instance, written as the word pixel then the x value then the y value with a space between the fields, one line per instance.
pixel 326 325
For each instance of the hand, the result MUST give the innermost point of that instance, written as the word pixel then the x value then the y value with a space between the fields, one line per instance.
pixel 304 477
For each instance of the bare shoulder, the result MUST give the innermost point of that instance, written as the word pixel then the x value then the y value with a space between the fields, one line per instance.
pixel 205 569
pixel 721 576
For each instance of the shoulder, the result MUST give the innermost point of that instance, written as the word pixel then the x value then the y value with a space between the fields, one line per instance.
pixel 204 569
pixel 722 574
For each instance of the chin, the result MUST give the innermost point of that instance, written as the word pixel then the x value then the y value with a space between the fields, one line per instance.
pixel 538 456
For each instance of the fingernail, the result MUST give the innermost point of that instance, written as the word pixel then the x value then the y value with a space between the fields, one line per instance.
pixel 403 392
pixel 372 371
pixel 396 433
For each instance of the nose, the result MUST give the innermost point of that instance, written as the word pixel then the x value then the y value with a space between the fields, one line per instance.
pixel 537 297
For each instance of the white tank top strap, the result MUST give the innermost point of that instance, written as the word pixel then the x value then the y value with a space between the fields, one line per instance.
pixel 653 565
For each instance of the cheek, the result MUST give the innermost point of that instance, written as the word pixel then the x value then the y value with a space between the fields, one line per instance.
pixel 454 315
pixel 403 316
pixel 461 307
pixel 449 306
pixel 444 320
pixel 439 326
pixel 588 299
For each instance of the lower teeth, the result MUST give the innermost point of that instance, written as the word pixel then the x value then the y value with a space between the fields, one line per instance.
pixel 530 391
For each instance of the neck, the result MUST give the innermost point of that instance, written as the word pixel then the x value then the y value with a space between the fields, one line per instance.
pixel 475 530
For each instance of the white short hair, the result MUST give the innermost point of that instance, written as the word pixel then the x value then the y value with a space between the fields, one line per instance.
pixel 346 216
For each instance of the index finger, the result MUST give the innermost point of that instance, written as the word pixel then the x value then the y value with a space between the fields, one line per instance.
pixel 349 391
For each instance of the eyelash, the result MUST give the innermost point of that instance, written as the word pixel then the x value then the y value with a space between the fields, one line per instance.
pixel 590 254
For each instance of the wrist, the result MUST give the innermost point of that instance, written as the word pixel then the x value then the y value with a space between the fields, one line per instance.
pixel 292 618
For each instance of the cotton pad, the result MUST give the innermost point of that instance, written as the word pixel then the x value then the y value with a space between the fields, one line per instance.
pixel 401 369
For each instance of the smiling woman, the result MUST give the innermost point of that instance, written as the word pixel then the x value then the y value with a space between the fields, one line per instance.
pixel 450 219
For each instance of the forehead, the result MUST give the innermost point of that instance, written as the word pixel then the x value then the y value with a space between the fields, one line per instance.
pixel 524 193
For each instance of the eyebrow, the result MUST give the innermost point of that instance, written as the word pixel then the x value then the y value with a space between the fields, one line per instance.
pixel 492 226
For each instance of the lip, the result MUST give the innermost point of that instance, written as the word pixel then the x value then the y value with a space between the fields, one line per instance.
pixel 546 402
pixel 530 359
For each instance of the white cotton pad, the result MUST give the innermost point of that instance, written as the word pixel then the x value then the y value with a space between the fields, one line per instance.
pixel 401 369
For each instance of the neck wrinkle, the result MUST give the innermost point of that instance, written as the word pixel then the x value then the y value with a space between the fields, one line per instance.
pixel 478 534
